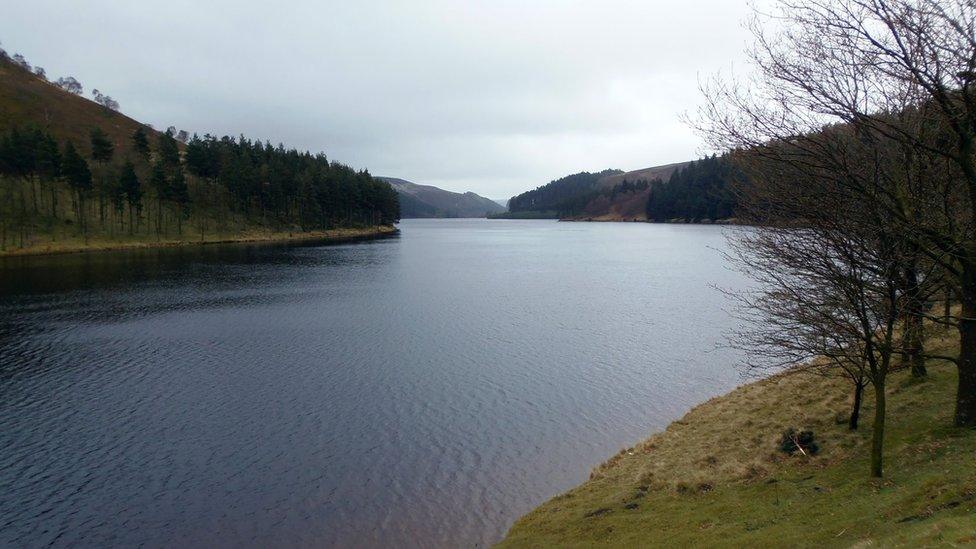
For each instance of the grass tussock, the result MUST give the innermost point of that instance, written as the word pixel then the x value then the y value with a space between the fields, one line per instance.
pixel 716 478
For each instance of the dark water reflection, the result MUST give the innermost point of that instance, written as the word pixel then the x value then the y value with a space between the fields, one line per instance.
pixel 421 390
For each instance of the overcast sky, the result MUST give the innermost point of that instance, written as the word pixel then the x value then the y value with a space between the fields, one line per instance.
pixel 496 97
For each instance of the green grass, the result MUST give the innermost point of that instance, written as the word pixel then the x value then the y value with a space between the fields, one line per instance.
pixel 714 478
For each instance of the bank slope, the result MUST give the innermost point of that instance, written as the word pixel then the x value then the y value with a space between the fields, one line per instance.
pixel 428 201
pixel 714 477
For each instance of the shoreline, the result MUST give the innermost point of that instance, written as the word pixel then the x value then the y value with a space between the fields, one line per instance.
pixel 602 219
pixel 715 477
pixel 619 219
pixel 329 236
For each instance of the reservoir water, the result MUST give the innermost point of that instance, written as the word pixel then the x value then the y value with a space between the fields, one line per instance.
pixel 422 390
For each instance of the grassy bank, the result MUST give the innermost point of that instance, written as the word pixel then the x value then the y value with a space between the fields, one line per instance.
pixel 75 243
pixel 715 478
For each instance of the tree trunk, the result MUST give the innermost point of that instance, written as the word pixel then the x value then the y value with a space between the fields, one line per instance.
pixel 947 313
pixel 54 200
pixel 877 433
pixel 856 411
pixel 913 336
pixel 913 343
pixel 81 217
pixel 965 415
pixel 33 186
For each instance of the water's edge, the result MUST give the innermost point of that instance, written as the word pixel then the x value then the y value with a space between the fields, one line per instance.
pixel 328 236
pixel 419 388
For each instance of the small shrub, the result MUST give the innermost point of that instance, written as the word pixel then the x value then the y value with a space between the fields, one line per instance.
pixel 802 442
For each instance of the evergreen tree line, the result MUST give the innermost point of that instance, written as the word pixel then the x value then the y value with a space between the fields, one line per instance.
pixel 577 205
pixel 218 184
pixel 565 196
pixel 289 186
pixel 696 192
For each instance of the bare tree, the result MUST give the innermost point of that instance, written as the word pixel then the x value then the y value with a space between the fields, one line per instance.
pixel 70 84
pixel 830 287
pixel 21 61
pixel 895 79
pixel 105 100
pixel 40 73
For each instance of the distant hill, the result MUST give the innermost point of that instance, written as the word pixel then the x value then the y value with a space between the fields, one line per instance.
pixel 662 172
pixel 629 202
pixel 429 201
pixel 701 191
pixel 610 195
pixel 561 197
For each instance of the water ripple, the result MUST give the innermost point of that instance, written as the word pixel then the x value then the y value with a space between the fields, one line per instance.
pixel 419 391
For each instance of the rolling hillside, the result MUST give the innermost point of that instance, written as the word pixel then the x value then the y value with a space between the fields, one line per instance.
pixel 429 201
pixel 625 206
pixel 26 100
pixel 559 198
pixel 610 195
pixel 644 174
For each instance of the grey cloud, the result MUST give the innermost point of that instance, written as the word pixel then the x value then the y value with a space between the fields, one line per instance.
pixel 494 97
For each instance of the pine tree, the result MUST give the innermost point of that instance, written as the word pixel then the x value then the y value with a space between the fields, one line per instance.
pixel 130 187
pixel 168 150
pixel 102 148
pixel 180 195
pixel 49 167
pixel 75 170
pixel 141 143
pixel 160 184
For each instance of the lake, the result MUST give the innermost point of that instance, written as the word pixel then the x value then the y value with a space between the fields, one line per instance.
pixel 421 390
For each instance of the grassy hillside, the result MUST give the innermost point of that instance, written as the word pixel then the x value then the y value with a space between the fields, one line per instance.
pixel 587 196
pixel 561 197
pixel 715 478
pixel 662 172
pixel 429 201
pixel 413 207
pixel 26 100
pixel 626 206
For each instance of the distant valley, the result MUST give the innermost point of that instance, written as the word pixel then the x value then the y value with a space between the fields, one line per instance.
pixel 417 201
